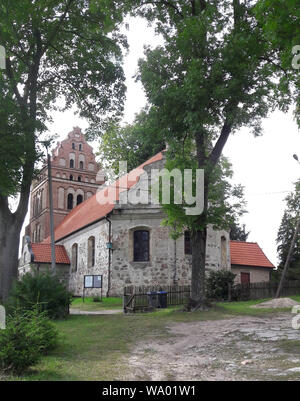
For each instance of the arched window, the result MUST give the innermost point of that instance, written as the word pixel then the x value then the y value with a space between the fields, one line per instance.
pixel 91 251
pixel 73 145
pixel 71 177
pixel 70 202
pixel 79 199
pixel 81 165
pixel 141 245
pixel 223 252
pixel 80 146
pixel 74 261
pixel 187 243
pixel 71 163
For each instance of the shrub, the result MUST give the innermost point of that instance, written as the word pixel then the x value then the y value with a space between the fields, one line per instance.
pixel 28 335
pixel 41 290
pixel 217 284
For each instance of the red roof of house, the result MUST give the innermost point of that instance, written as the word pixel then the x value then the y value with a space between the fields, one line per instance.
pixel 248 254
pixel 91 210
pixel 42 253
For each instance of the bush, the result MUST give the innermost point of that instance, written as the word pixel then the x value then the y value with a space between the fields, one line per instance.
pixel 217 284
pixel 43 291
pixel 28 335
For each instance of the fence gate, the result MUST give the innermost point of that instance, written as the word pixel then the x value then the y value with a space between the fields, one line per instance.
pixel 147 298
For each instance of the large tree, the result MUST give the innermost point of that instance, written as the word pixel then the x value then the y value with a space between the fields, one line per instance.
pixel 55 49
pixel 210 78
pixel 280 20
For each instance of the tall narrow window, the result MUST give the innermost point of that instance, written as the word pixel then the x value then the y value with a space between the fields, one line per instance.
pixel 74 257
pixel 79 199
pixel 79 178
pixel 70 201
pixel 141 246
pixel 223 252
pixel 71 163
pixel 91 251
pixel 187 243
pixel 71 177
pixel 81 165
pixel 80 146
pixel 73 145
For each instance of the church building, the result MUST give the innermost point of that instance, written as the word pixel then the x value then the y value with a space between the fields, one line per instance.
pixel 108 231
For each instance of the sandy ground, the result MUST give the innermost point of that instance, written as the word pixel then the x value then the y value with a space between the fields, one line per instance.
pixel 276 303
pixel 241 348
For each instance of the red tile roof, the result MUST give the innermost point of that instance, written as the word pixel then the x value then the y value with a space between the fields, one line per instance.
pixel 91 210
pixel 248 254
pixel 42 253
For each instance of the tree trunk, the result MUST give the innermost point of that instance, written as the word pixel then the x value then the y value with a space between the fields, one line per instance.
pixel 9 249
pixel 198 295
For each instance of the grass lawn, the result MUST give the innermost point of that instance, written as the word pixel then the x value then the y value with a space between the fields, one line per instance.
pixel 90 305
pixel 95 347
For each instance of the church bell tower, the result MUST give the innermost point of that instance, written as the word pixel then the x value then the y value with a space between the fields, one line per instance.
pixel 74 172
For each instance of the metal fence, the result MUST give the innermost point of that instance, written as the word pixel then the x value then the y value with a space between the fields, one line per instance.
pixel 145 298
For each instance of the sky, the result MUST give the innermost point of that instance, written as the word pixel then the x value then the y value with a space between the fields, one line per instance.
pixel 263 165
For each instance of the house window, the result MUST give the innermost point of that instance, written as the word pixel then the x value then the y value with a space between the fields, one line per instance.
pixel 79 199
pixel 91 251
pixel 74 257
pixel 70 201
pixel 141 246
pixel 187 243
pixel 71 163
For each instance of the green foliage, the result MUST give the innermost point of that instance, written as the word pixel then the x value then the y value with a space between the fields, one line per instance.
pixel 281 26
pixel 226 202
pixel 42 291
pixel 217 284
pixel 69 51
pixel 134 143
pixel 238 232
pixel 28 335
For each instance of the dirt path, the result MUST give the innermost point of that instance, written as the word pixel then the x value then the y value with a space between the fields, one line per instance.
pixel 74 311
pixel 241 348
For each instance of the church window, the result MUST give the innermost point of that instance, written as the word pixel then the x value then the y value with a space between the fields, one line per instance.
pixel 70 201
pixel 81 165
pixel 79 199
pixel 223 252
pixel 73 145
pixel 141 245
pixel 187 243
pixel 79 178
pixel 91 251
pixel 74 257
pixel 71 163
pixel 80 146
pixel 71 177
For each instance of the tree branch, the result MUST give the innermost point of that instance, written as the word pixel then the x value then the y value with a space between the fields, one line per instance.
pixel 163 2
